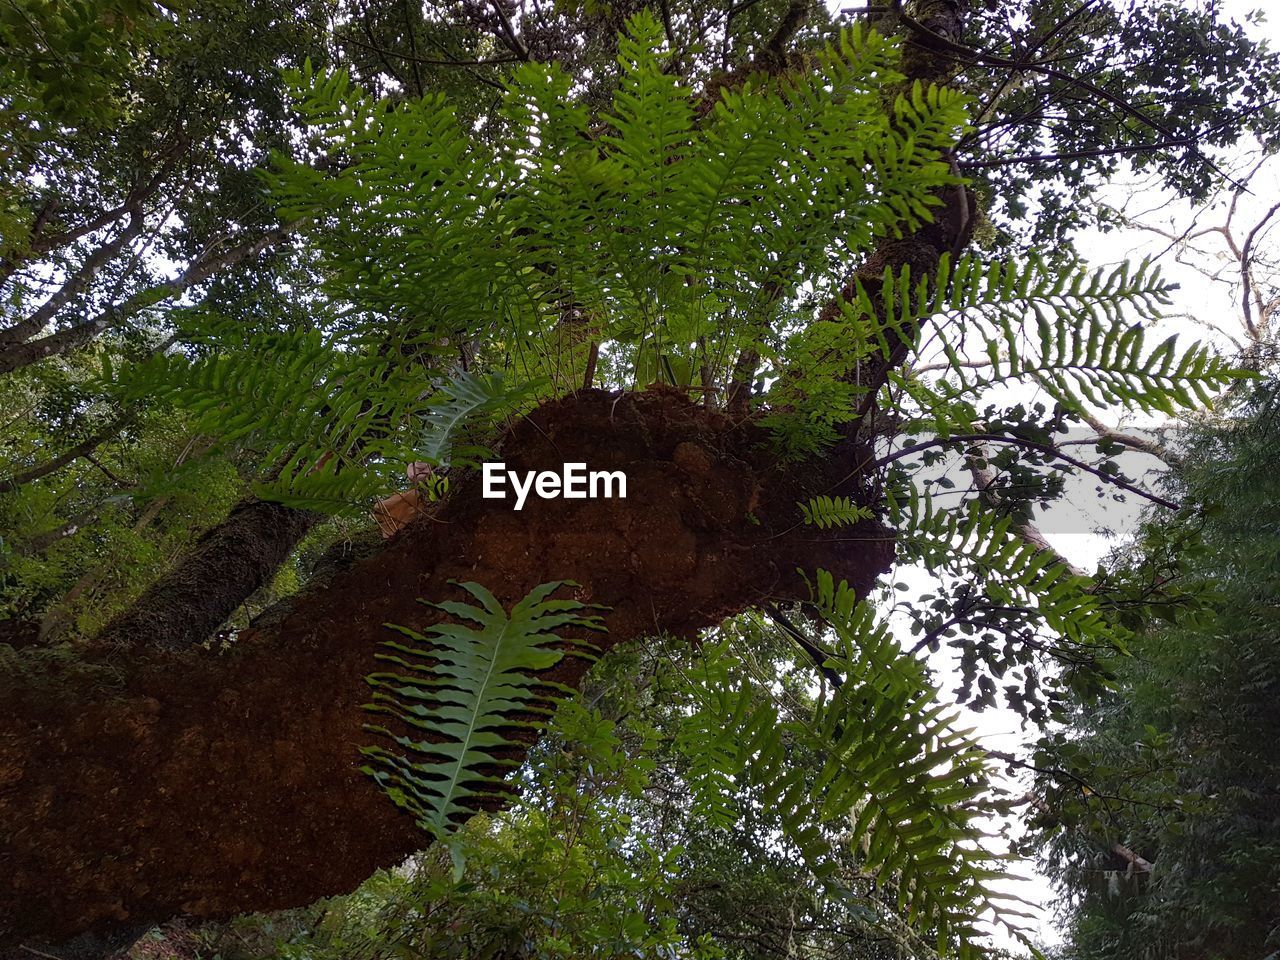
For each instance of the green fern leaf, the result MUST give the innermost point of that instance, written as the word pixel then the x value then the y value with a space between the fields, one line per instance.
pixel 898 782
pixel 983 548
pixel 1080 334
pixel 709 738
pixel 465 396
pixel 465 689
pixel 824 512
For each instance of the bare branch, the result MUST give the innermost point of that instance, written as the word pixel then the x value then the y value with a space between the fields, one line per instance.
pixel 1246 273
pixel 1042 158
pixel 81 449
pixel 21 355
pixel 41 243
pixel 1131 441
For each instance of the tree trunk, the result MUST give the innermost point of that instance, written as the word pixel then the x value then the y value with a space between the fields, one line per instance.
pixel 213 784
pixel 210 582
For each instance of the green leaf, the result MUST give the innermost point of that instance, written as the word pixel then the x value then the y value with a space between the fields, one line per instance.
pixel 467 687
pixel 465 396
pixel 824 512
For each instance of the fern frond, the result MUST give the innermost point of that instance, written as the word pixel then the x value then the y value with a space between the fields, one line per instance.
pixel 906 776
pixel 686 234
pixel 824 512
pixel 464 688
pixel 983 548
pixel 240 390
pixel 897 782
pixel 1080 333
pixel 464 396
pixel 332 423
pixel 708 737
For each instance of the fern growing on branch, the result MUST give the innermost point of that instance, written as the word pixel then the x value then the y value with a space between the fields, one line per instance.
pixel 461 689
pixel 824 512
pixel 896 782
pixel 697 242
pixel 1081 333
pixel 464 396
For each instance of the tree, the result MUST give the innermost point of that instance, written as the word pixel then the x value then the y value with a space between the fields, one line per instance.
pixel 1171 851
pixel 701 239
pixel 132 136
pixel 143 160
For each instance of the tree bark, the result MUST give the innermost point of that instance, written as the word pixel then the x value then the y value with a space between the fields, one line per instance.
pixel 213 784
pixel 210 582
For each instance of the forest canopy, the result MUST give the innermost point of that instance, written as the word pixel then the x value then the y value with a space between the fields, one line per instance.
pixel 280 279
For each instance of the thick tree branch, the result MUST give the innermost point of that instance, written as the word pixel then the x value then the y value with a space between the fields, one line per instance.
pixel 214 784
pixel 226 566
pixel 774 51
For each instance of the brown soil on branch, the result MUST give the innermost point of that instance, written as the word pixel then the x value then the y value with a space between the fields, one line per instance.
pixel 216 783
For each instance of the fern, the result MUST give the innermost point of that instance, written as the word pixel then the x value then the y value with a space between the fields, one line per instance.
pixel 337 426
pixel 897 783
pixel 1087 338
pixel 641 223
pixel 464 396
pixel 466 689
pixel 708 737
pixel 1078 334
pixel 914 778
pixel 824 512
pixel 985 549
